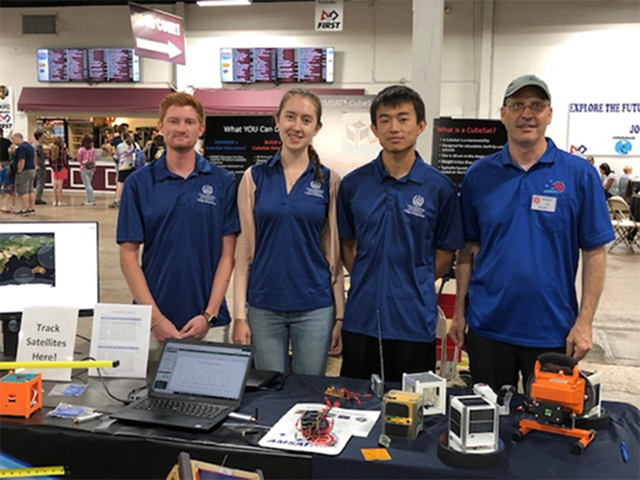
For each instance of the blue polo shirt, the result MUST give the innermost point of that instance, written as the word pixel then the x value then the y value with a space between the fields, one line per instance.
pixel 25 152
pixel 397 225
pixel 181 223
pixel 289 271
pixel 530 226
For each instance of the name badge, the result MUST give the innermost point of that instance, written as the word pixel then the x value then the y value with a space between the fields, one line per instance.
pixel 543 203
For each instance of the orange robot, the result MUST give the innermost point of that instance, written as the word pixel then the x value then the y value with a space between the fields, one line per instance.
pixel 558 394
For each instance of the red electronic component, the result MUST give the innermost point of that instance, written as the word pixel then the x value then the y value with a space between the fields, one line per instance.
pixel 342 392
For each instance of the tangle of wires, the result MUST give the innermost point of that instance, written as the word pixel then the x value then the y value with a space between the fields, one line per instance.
pixel 316 427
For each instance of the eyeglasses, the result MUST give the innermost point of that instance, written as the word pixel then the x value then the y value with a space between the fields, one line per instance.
pixel 518 107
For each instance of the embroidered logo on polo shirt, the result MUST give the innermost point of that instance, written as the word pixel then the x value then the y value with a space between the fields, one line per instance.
pixel 554 186
pixel 206 195
pixel 315 189
pixel 415 208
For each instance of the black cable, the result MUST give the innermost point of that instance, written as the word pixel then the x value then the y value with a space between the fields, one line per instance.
pixel 104 384
pixel 279 387
pixel 82 337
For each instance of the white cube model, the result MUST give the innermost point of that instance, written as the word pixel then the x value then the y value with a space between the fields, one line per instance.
pixel 473 424
pixel 432 388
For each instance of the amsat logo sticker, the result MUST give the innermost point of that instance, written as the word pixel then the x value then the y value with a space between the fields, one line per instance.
pixel 554 186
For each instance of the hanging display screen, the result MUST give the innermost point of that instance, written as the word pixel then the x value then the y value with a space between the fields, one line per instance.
pixel 88 65
pixel 277 65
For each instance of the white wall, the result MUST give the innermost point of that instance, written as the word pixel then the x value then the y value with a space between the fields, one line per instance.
pixel 373 51
pixel 584 49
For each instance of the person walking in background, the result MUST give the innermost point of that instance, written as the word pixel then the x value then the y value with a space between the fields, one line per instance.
pixel 528 212
pixel 107 148
pixel 87 161
pixel 41 171
pixel 288 285
pixel 399 228
pixel 7 179
pixel 125 154
pixel 609 180
pixel 156 149
pixel 59 163
pixel 5 145
pixel 25 174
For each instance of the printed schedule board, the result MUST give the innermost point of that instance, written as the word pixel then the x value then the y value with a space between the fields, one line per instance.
pixel 237 142
pixel 457 143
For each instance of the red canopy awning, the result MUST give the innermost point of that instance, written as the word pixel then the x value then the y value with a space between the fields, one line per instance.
pixel 91 101
pixel 63 101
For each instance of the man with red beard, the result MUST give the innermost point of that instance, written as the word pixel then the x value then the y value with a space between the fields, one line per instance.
pixel 183 210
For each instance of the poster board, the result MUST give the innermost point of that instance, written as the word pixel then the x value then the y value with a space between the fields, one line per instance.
pixel 604 128
pixel 457 143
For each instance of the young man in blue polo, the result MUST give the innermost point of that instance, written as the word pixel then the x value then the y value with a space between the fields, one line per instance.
pixel 183 210
pixel 400 225
pixel 528 211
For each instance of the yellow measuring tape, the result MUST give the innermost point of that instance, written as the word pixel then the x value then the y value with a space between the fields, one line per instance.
pixel 33 472
pixel 61 364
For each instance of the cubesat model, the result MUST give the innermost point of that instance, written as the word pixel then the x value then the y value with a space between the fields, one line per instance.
pixel 431 387
pixel 472 440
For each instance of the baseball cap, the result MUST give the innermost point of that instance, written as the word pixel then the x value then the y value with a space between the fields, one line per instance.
pixel 526 81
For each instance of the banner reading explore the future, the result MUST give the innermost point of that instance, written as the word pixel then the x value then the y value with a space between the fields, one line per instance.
pixel 611 129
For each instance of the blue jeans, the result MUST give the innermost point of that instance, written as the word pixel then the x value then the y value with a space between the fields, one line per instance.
pixel 309 332
pixel 86 177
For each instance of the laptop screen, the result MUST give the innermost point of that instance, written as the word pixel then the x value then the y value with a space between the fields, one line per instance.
pixel 202 369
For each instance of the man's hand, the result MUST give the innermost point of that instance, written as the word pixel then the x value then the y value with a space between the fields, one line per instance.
pixel 165 329
pixel 196 328
pixel 457 329
pixel 335 348
pixel 241 334
pixel 579 340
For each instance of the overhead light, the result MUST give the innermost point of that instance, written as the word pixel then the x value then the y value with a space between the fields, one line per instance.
pixel 222 3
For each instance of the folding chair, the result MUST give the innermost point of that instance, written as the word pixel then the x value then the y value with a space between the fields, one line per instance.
pixel 625 226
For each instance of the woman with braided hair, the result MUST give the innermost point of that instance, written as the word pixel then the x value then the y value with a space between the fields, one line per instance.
pixel 288 284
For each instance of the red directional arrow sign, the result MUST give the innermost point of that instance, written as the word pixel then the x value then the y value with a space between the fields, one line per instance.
pixel 158 34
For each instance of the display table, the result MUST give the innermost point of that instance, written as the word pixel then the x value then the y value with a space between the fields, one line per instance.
pixel 112 450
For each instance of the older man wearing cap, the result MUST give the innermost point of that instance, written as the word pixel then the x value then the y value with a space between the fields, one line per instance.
pixel 528 212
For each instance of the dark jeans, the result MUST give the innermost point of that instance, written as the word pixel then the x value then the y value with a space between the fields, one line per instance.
pixel 497 363
pixel 41 175
pixel 361 357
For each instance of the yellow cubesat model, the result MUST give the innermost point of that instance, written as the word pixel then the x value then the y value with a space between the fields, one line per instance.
pixel 21 393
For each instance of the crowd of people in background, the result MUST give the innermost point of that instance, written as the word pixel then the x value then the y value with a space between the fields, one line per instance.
pixel 51 152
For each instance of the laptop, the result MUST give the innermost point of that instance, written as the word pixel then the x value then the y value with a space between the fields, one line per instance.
pixel 196 386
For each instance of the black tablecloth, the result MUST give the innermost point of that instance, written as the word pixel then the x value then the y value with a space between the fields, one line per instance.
pixel 115 450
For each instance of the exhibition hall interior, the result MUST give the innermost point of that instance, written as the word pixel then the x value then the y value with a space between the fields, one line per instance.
pixel 73 71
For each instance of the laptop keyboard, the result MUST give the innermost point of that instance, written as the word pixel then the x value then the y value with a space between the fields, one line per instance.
pixel 188 408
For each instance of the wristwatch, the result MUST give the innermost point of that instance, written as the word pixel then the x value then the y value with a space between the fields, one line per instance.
pixel 211 319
